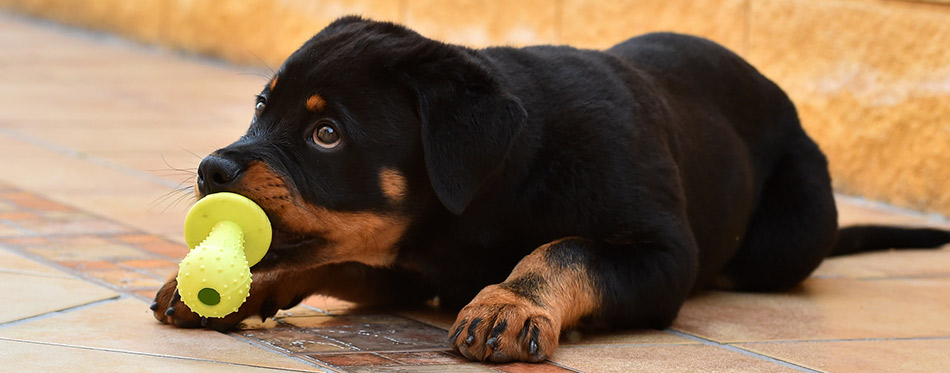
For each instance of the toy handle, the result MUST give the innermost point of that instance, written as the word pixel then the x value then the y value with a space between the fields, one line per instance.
pixel 214 279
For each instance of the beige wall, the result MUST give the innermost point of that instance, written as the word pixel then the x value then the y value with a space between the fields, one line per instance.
pixel 871 77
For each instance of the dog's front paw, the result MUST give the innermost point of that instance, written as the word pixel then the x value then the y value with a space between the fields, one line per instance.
pixel 501 326
pixel 169 309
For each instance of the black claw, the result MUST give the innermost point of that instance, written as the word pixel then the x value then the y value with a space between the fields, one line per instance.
pixel 471 330
pixel 533 344
pixel 170 311
pixel 268 309
pixel 498 329
pixel 205 321
pixel 154 306
pixel 458 331
pixel 524 330
pixel 492 342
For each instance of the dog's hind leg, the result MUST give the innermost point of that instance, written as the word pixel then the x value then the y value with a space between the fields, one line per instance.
pixel 793 227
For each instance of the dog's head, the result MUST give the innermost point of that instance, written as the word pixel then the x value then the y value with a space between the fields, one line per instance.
pixel 356 133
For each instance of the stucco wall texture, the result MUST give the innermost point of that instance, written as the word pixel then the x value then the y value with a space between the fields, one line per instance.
pixel 871 78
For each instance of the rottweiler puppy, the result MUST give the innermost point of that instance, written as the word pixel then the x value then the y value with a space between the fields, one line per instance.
pixel 541 188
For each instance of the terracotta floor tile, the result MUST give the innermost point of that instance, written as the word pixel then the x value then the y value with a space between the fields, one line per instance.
pixel 437 318
pixel 138 238
pixel 425 357
pixel 544 367
pixel 916 355
pixel 123 278
pixel 136 209
pixel 157 244
pixel 295 340
pixel 375 332
pixel 823 309
pixel 853 211
pixel 164 272
pixel 329 304
pixel 355 359
pixel 8 230
pixel 24 240
pixel 635 337
pixel 149 263
pixel 95 265
pixel 280 319
pixel 904 263
pixel 71 225
pixel 459 368
pixel 84 249
pixel 13 263
pixel 145 295
pixel 31 201
pixel 28 295
pixel 128 325
pixel 18 356
pixel 17 216
pixel 672 358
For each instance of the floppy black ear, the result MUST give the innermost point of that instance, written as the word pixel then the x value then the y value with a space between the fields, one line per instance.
pixel 468 125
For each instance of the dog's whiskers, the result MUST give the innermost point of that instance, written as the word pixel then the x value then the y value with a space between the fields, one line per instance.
pixel 184 189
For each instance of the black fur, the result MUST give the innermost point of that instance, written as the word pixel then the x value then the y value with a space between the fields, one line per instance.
pixel 673 161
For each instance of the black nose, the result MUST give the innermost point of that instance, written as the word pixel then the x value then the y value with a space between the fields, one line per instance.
pixel 217 174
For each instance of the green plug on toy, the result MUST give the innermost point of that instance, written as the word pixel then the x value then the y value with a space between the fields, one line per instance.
pixel 227 233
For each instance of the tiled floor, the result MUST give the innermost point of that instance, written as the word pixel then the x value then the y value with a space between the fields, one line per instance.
pixel 96 134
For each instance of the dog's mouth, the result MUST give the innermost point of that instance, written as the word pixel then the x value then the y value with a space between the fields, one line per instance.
pixel 283 239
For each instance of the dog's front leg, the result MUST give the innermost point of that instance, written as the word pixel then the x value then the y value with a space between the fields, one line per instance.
pixel 568 281
pixel 276 289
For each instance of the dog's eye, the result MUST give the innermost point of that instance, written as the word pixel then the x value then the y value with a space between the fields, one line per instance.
pixel 326 136
pixel 259 108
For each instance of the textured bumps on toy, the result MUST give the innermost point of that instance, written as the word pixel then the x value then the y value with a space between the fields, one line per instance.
pixel 228 233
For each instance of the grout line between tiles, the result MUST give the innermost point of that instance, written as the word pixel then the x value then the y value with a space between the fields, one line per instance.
pixel 34 273
pixel 154 355
pixel 627 345
pixel 770 359
pixel 60 312
pixel 563 366
pixel 75 273
pixel 274 349
pixel 888 208
pixel 905 277
pixel 98 161
pixel 846 340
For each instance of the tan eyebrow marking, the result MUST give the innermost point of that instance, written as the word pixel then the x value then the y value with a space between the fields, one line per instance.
pixel 316 103
pixel 273 83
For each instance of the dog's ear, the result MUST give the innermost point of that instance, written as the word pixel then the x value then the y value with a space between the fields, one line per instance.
pixel 468 123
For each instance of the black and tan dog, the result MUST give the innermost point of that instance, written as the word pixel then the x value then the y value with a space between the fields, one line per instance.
pixel 545 187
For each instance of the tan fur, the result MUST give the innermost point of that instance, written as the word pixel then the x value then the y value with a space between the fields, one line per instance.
pixel 316 103
pixel 273 83
pixel 568 292
pixel 560 302
pixel 364 237
pixel 393 185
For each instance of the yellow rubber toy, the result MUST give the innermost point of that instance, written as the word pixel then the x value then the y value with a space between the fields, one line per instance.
pixel 227 233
